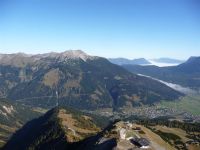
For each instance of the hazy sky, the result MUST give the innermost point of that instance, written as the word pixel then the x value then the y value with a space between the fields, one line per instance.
pixel 109 28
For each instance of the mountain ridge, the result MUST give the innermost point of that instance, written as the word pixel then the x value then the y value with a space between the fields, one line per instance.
pixel 122 61
pixel 48 80
pixel 168 60
pixel 186 74
pixel 21 58
pixel 66 128
pixel 12 117
pixel 60 128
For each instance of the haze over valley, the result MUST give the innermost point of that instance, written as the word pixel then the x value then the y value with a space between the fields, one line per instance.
pixel 73 79
pixel 99 75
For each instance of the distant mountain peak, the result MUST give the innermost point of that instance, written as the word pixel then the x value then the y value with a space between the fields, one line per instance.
pixel 193 58
pixel 11 59
pixel 69 54
pixel 73 54
pixel 11 56
pixel 123 61
pixel 168 60
pixel 76 52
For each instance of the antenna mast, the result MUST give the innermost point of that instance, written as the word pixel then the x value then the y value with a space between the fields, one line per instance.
pixel 56 98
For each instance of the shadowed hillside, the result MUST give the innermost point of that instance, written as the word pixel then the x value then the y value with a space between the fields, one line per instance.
pixel 76 79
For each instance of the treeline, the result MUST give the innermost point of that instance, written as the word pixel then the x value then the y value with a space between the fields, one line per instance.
pixel 188 127
pixel 100 121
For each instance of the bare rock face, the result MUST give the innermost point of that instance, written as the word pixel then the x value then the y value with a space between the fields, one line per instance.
pixel 78 54
pixel 70 54
pixel 22 59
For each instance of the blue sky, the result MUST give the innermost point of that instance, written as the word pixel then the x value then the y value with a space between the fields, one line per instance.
pixel 109 28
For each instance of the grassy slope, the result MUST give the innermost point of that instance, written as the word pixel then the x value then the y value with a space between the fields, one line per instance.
pixel 54 130
pixel 181 133
pixel 189 104
pixel 156 140
pixel 178 132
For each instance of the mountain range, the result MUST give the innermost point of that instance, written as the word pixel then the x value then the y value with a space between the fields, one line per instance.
pixel 73 78
pixel 72 86
pixel 123 61
pixel 161 62
pixel 168 60
pixel 186 74
pixel 64 128
pixel 60 128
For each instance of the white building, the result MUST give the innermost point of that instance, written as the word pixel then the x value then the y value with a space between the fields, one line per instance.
pixel 122 133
